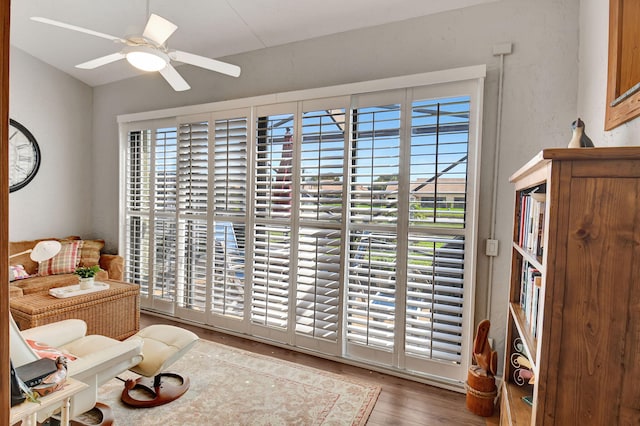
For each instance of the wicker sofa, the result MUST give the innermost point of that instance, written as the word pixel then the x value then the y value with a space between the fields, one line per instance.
pixel 88 254
pixel 114 312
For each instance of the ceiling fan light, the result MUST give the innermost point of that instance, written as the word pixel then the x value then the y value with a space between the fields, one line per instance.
pixel 146 59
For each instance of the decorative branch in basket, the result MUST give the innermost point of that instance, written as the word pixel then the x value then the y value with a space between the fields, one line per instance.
pixel 87 271
pixel 484 357
pixel 481 381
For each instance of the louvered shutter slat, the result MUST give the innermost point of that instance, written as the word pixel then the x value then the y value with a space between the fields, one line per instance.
pixel 192 265
pixel 435 278
pixel 229 170
pixel 138 205
pixel 230 167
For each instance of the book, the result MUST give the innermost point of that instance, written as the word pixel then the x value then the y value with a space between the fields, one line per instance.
pixel 531 222
pixel 528 399
pixel 34 372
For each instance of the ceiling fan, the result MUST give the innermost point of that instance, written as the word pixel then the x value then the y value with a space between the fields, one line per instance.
pixel 149 52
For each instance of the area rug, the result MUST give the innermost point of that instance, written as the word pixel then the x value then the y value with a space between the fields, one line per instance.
pixel 231 386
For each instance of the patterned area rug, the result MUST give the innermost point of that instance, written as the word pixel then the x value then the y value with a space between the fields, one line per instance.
pixel 231 386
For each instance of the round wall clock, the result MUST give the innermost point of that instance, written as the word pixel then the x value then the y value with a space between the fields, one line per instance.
pixel 24 156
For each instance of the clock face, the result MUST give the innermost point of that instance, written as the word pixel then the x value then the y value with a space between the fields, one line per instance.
pixel 24 156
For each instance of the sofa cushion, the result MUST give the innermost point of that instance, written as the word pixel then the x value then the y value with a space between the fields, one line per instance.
pixel 18 247
pixel 89 252
pixel 65 262
pixel 114 265
pixel 24 259
pixel 17 272
pixel 45 351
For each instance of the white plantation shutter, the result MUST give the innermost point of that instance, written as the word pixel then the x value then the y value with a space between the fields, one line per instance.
pixel 137 251
pixel 165 177
pixel 318 283
pixel 439 152
pixel 193 170
pixel 229 192
pixel 319 251
pixel 192 265
pixel 373 249
pixel 274 166
pixel 434 297
pixel 230 167
pixel 270 291
pixel 427 281
pixel 343 225
pixel 164 218
pixel 228 272
pixel 164 261
pixel 138 206
pixel 272 225
pixel 372 290
pixel 437 219
pixel 191 243
pixel 376 165
pixel 322 165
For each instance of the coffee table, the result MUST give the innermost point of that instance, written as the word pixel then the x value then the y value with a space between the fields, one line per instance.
pixel 114 312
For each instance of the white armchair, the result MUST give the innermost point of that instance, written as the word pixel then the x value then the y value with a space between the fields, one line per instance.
pixel 99 358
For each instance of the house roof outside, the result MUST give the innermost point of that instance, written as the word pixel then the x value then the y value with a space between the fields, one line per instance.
pixel 419 189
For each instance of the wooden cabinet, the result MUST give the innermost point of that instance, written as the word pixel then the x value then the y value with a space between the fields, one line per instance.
pixel 574 294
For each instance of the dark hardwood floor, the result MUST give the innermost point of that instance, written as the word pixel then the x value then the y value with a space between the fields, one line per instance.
pixel 401 402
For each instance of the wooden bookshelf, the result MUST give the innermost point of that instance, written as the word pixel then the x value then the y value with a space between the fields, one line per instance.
pixel 574 293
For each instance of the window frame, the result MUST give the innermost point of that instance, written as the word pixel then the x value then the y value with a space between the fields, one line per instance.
pixel 472 78
pixel 620 107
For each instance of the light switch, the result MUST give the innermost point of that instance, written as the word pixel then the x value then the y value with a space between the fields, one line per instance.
pixel 492 248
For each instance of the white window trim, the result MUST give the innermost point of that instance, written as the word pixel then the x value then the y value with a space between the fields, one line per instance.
pixel 477 73
pixel 414 80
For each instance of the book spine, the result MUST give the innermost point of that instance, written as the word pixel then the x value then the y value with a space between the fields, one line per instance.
pixel 530 287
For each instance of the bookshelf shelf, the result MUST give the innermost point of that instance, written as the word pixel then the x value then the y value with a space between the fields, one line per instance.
pixel 529 257
pixel 574 290
pixel 518 411
pixel 529 343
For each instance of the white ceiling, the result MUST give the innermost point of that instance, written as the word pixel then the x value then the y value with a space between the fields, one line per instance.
pixel 213 28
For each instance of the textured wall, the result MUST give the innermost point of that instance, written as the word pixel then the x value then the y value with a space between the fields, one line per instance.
pixel 57 110
pixel 592 89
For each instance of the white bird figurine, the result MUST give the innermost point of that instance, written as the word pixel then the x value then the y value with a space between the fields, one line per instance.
pixel 55 380
pixel 580 138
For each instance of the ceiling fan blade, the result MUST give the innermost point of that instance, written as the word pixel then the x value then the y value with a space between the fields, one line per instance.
pixel 103 60
pixel 76 28
pixel 174 79
pixel 158 29
pixel 203 62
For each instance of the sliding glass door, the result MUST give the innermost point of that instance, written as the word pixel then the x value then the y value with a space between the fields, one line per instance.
pixel 343 225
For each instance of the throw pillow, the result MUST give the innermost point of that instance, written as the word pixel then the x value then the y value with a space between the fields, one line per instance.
pixel 89 252
pixel 65 262
pixel 17 272
pixel 45 351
